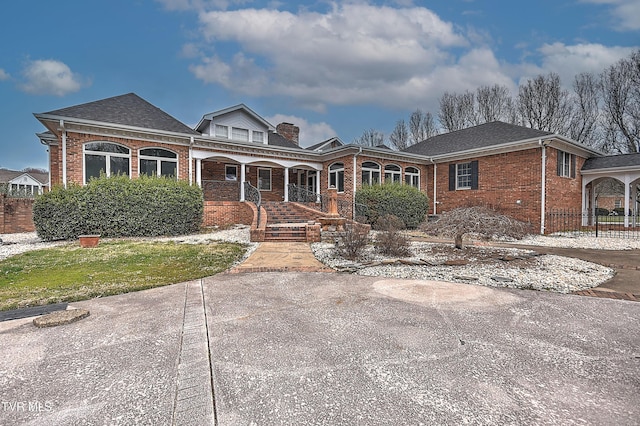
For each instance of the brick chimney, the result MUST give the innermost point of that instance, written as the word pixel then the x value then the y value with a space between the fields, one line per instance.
pixel 289 131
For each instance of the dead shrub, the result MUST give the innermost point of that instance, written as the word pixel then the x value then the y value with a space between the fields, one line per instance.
pixel 353 241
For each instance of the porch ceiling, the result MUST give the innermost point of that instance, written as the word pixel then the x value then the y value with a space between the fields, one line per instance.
pixel 257 160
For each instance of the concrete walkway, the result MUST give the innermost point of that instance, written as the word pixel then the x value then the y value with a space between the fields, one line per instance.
pixel 282 257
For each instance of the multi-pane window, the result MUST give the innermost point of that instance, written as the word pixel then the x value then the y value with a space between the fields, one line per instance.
pixel 370 173
pixel 412 177
pixel 392 173
pixel 336 176
pixel 230 172
pixel 222 131
pixel 264 179
pixel 240 134
pixel 158 162
pixel 105 157
pixel 566 164
pixel 257 136
pixel 463 176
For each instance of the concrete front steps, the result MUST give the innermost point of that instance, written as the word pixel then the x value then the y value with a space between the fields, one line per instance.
pixel 287 223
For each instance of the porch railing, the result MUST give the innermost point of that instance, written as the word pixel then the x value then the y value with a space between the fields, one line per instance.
pixel 301 194
pixel 252 194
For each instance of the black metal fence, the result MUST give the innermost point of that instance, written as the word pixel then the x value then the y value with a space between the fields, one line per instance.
pixel 579 223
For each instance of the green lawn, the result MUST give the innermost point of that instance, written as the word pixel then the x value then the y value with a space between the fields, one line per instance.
pixel 69 273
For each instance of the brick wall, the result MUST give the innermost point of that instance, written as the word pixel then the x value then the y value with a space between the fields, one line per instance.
pixel 225 213
pixel 16 215
pixel 75 142
pixel 563 192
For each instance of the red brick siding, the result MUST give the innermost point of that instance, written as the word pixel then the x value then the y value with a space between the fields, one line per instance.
pixel 503 179
pixel 563 192
pixel 75 141
pixel 16 215
pixel 225 213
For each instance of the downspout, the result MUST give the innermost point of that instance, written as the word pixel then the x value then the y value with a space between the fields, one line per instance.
pixel 435 191
pixel 191 141
pixel 64 154
pixel 353 208
pixel 543 195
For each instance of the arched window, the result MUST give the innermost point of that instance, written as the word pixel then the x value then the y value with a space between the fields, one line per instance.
pixel 336 176
pixel 370 173
pixel 106 157
pixel 392 173
pixel 158 162
pixel 412 177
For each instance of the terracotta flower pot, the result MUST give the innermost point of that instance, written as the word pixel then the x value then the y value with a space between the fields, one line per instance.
pixel 89 241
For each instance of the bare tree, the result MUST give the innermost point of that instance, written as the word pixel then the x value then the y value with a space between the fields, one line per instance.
pixel 477 220
pixel 583 126
pixel 494 103
pixel 421 126
pixel 457 111
pixel 544 105
pixel 620 85
pixel 370 137
pixel 399 137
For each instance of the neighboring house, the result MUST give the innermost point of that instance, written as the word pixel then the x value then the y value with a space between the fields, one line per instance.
pixel 24 183
pixel 520 171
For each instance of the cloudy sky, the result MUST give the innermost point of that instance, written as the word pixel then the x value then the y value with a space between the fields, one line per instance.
pixel 333 68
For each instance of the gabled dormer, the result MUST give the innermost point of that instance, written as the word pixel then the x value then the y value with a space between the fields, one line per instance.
pixel 236 123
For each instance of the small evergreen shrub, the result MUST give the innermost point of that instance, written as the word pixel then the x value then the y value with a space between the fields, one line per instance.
pixel 403 201
pixel 119 207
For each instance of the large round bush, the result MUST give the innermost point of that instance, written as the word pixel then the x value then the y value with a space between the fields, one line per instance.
pixel 403 201
pixel 119 207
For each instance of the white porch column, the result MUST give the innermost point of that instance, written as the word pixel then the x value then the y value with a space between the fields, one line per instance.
pixel 318 185
pixel 585 204
pixel 242 179
pixel 594 210
pixel 627 195
pixel 199 172
pixel 286 184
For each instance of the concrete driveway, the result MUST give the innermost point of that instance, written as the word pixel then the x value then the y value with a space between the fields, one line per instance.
pixel 326 348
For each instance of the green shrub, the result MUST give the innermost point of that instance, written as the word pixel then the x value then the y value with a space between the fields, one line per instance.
pixel 602 211
pixel 119 207
pixel 404 201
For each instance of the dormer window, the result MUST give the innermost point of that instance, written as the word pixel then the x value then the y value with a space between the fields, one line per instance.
pixel 240 134
pixel 222 131
pixel 258 137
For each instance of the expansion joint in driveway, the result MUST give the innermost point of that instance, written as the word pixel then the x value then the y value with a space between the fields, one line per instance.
pixel 194 401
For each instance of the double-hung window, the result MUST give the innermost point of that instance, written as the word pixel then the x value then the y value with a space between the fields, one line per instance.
pixel 158 162
pixel 105 157
pixel 240 134
pixel 336 176
pixel 222 131
pixel 566 164
pixel 264 179
pixel 463 175
pixel 257 136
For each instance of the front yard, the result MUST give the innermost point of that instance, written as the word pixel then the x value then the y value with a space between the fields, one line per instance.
pixel 68 273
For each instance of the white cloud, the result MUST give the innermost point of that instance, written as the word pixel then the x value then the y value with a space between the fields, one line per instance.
pixel 354 53
pixel 570 60
pixel 50 77
pixel 4 75
pixel 310 133
pixel 625 13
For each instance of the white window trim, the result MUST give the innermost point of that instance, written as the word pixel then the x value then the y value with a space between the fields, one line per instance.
pixel 458 186
pixel 107 171
pixel 234 166
pixel 389 174
pixel 370 171
pixel 253 139
pixel 215 131
pixel 270 179
pixel 158 159
pixel 336 171
pixel 411 175
pixel 566 162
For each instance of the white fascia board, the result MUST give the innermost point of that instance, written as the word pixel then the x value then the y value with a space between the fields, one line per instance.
pixel 377 152
pixel 243 107
pixel 609 170
pixel 115 126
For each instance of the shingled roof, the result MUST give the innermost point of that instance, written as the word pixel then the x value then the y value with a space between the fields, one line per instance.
pixel 276 139
pixel 612 162
pixel 477 137
pixel 128 110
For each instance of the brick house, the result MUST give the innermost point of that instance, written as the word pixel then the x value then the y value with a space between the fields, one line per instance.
pixel 234 154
